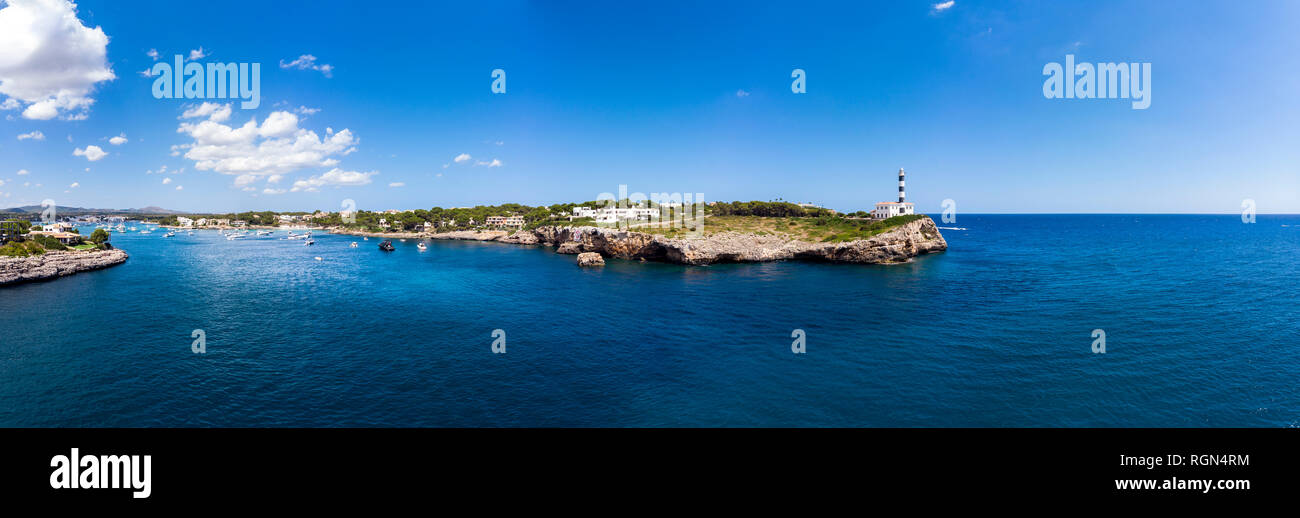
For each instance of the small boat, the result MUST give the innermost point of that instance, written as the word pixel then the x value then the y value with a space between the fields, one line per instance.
pixel 422 246
pixel 386 246
pixel 309 242
pixel 170 234
pixel 353 245
pixel 318 258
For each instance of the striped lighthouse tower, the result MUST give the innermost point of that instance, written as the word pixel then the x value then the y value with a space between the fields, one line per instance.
pixel 901 196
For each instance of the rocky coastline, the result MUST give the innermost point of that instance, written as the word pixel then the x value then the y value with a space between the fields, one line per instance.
pixel 898 245
pixel 55 264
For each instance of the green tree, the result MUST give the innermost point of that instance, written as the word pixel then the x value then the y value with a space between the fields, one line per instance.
pixel 99 236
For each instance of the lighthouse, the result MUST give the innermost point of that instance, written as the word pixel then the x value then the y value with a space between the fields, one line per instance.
pixel 901 195
pixel 889 209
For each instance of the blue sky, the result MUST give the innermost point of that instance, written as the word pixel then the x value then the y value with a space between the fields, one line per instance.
pixel 671 97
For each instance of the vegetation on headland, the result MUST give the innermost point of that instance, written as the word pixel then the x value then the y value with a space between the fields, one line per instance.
pixel 823 228
pixel 21 249
pixel 38 244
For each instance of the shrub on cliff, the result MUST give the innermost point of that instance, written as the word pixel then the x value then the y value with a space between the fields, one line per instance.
pixel 21 249
pixel 48 242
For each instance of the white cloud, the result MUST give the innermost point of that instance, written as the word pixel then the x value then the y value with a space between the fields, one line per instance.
pixel 742 93
pixel 444 166
pixel 35 135
pixel 153 53
pixel 275 178
pixel 493 163
pixel 197 54
pixel 215 112
pixel 335 177
pixel 10 104
pixel 278 124
pixel 306 111
pixel 23 172
pixel 397 184
pixel 463 157
pixel 118 140
pixel 308 62
pixel 42 110
pixel 269 190
pixel 167 181
pixel 92 153
pixel 49 59
pixel 180 187
pixel 276 147
pixel 943 6
pixel 74 185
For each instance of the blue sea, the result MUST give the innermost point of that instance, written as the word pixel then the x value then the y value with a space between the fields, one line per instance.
pixel 1199 314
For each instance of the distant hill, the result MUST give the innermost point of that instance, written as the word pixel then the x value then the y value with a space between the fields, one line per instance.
pixel 36 209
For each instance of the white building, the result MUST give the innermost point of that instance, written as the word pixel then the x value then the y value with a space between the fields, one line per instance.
pixel 614 214
pixel 889 209
pixel 505 221
pixel 184 221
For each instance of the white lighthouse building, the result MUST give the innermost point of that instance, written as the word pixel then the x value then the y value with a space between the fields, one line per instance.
pixel 889 209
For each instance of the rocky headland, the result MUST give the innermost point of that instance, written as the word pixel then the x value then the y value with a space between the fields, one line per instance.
pixel 54 264
pixel 897 245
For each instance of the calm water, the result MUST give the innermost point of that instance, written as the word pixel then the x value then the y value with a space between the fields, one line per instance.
pixel 1200 314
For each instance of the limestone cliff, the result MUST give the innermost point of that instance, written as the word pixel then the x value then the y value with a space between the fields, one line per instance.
pixel 897 245
pixel 54 264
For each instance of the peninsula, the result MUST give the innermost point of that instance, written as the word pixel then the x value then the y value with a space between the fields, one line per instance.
pixel 894 240
pixel 35 253
pixel 55 264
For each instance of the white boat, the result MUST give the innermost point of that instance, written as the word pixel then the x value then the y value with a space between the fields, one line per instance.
pixel 169 234
pixel 309 242
pixel 232 237
pixel 354 244
pixel 422 247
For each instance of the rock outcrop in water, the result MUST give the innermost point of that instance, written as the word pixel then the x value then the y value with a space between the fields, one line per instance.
pixel 54 264
pixel 590 259
pixel 895 246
